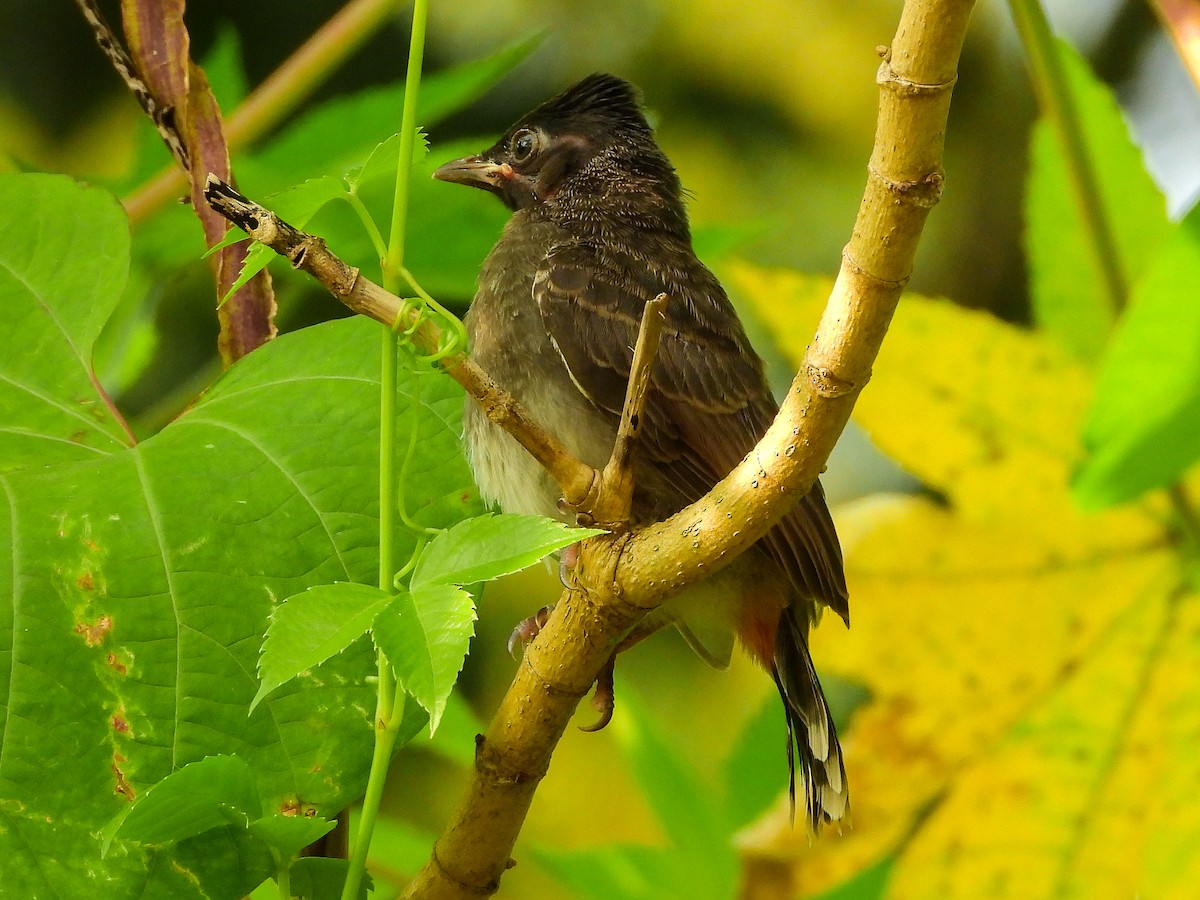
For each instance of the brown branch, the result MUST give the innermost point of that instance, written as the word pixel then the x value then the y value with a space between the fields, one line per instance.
pixel 310 254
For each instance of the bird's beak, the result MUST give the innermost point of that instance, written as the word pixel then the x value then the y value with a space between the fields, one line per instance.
pixel 475 171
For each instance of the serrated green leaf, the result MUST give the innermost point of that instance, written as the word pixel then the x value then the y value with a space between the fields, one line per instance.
pixel 425 635
pixel 1143 428
pixel 490 546
pixel 309 628
pixel 296 206
pixel 1067 290
pixel 383 160
pixel 208 793
pixel 64 256
pixel 288 835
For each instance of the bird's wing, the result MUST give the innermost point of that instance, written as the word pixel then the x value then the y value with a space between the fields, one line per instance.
pixel 710 403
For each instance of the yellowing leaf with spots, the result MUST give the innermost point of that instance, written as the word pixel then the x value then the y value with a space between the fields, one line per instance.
pixel 1034 672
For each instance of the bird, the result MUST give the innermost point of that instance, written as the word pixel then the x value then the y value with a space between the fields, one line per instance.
pixel 599 227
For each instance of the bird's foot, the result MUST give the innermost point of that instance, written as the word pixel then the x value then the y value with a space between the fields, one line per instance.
pixel 567 560
pixel 528 629
pixel 604 699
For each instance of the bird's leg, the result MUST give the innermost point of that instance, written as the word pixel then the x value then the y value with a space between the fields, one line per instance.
pixel 604 698
pixel 528 629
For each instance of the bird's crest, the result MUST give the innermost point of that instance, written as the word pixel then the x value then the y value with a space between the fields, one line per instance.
pixel 597 97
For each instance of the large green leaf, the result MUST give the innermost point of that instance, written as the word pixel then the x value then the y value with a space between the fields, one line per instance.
pixel 1143 429
pixel 138 584
pixel 64 255
pixel 1066 287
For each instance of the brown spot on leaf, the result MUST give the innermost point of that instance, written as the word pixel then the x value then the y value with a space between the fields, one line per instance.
pixel 94 634
pixel 119 723
pixel 123 787
pixel 85 582
pixel 115 663
pixel 289 808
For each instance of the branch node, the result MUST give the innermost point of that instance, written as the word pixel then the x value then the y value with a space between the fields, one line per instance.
pixel 924 192
pixel 854 267
pixel 472 890
pixel 489 765
pixel 828 385
pixel 889 79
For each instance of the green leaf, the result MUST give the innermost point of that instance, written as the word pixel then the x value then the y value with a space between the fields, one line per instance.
pixel 64 255
pixel 679 797
pixel 223 67
pixel 425 635
pixel 340 134
pixel 317 878
pixel 397 847
pixel 489 546
pixel 138 587
pixel 1143 429
pixel 621 872
pixel 756 769
pixel 1066 287
pixel 288 835
pixel 869 884
pixel 209 793
pixel 309 628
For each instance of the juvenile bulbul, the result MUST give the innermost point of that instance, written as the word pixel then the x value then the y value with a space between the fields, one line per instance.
pixel 598 229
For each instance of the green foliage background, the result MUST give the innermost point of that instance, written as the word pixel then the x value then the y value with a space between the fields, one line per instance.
pixel 142 574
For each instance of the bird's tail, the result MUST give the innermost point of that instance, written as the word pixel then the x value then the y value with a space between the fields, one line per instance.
pixel 811 736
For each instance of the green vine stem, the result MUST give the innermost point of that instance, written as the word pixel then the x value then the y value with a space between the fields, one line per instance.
pixel 390 702
pixel 1058 105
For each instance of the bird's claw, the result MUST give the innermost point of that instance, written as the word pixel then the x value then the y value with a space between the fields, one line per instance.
pixel 567 560
pixel 604 699
pixel 528 629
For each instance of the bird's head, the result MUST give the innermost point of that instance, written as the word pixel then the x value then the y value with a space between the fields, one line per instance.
pixel 596 118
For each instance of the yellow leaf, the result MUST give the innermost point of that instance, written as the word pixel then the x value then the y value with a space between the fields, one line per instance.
pixel 1034 673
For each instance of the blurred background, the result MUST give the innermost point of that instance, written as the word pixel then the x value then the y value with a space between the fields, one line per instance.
pixel 768 112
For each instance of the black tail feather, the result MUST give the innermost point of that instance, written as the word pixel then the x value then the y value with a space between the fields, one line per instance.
pixel 812 737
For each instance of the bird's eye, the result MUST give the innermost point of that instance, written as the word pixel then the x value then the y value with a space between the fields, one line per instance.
pixel 524 144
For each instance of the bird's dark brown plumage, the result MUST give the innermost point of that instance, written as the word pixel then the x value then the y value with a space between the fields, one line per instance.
pixel 598 229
